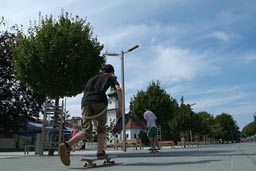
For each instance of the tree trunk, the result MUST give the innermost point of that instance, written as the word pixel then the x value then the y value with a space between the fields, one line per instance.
pixel 55 124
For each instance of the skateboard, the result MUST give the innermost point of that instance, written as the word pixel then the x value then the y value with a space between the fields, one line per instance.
pixel 153 150
pixel 91 162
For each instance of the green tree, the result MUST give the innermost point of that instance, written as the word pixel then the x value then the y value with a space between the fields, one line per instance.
pixel 173 124
pixel 198 125
pixel 206 122
pixel 137 105
pixel 254 121
pixel 183 119
pixel 57 57
pixel 159 102
pixel 18 103
pixel 202 125
pixel 156 98
pixel 248 130
pixel 226 127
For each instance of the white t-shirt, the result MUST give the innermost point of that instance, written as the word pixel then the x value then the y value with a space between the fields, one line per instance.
pixel 150 117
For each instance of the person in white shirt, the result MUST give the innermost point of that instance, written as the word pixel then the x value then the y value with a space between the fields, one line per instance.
pixel 150 117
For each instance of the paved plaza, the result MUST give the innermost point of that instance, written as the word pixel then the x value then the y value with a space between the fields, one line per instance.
pixel 223 157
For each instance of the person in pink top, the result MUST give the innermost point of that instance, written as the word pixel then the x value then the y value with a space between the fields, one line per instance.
pixel 74 132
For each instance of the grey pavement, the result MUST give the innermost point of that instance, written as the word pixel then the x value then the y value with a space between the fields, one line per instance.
pixel 224 157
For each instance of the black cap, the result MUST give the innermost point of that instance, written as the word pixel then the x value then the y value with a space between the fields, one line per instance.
pixel 108 68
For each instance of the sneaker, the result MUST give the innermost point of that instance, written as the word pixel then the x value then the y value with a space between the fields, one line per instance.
pixel 64 153
pixel 102 155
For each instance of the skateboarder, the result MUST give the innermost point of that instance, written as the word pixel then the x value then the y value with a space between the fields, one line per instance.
pixel 150 117
pixel 94 107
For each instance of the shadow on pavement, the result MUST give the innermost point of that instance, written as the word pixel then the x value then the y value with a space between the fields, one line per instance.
pixel 169 163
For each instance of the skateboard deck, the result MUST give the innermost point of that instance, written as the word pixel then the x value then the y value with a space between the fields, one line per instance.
pixel 91 162
pixel 153 150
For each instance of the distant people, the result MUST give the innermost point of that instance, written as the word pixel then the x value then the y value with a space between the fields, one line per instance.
pixel 150 117
pixel 74 132
pixel 94 108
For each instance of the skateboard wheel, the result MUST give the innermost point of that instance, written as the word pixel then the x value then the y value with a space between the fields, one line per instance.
pixel 94 165
pixel 112 162
pixel 104 162
pixel 85 165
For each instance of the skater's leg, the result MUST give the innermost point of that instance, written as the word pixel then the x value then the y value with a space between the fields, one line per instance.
pixel 77 138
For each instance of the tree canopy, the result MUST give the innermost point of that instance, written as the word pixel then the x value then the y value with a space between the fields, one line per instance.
pixel 225 127
pixel 250 129
pixel 18 103
pixel 57 57
pixel 158 101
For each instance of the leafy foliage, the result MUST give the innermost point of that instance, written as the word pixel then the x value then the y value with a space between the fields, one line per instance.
pixel 17 102
pixel 204 124
pixel 57 58
pixel 157 99
pixel 137 105
pixel 159 102
pixel 249 129
pixel 225 127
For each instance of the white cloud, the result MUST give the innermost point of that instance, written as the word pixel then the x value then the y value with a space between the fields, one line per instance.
pixel 73 105
pixel 221 36
pixel 224 90
pixel 127 34
pixel 173 64
pixel 178 89
pixel 219 99
pixel 250 58
pixel 210 102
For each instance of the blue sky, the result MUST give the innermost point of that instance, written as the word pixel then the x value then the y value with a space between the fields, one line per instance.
pixel 203 50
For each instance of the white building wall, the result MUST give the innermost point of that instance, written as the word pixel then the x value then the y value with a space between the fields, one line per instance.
pixel 111 113
pixel 132 133
pixel 111 119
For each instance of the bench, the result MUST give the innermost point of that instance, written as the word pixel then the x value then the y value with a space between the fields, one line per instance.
pixel 192 144
pixel 183 144
pixel 166 143
pixel 134 143
pixel 27 148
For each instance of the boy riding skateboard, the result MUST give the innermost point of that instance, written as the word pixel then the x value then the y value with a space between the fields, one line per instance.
pixel 94 107
pixel 150 117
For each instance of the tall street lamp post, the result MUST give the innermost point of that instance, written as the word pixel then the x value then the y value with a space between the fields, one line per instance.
pixel 123 93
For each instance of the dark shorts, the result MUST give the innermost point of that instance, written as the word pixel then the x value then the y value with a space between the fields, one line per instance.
pixel 100 121
pixel 152 132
